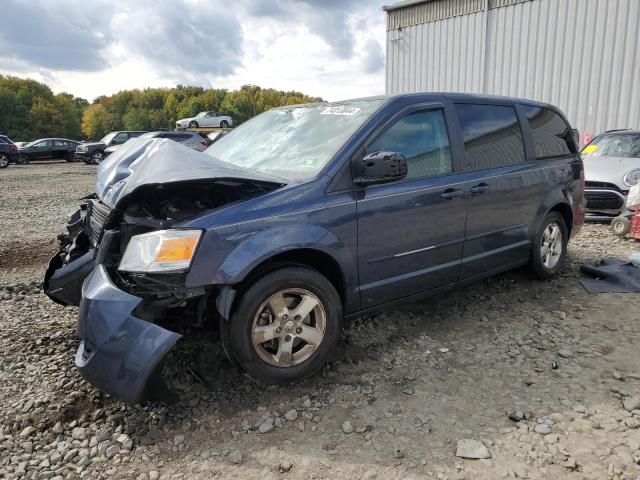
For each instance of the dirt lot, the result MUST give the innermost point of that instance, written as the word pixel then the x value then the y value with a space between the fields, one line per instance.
pixel 406 387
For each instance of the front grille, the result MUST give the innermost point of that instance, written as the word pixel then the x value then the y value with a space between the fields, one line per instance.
pixel 97 216
pixel 603 199
pixel 602 185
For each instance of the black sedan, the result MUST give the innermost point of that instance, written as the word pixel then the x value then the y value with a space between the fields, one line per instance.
pixel 49 148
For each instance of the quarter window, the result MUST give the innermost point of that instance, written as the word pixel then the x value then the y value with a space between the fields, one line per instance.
pixel 422 138
pixel 492 135
pixel 552 137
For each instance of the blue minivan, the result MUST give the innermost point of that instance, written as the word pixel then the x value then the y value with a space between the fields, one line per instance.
pixel 305 216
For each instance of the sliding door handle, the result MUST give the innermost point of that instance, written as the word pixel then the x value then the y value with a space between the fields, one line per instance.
pixel 482 188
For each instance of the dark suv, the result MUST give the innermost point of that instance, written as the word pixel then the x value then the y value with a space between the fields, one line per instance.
pixel 93 153
pixel 8 152
pixel 304 216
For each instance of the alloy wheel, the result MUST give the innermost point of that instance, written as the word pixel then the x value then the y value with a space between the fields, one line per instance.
pixel 98 157
pixel 288 327
pixel 551 246
pixel 4 161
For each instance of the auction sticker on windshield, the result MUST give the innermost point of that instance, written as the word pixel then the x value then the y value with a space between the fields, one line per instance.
pixel 342 110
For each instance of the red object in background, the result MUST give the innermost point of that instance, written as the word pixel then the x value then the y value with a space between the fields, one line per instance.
pixel 634 232
pixel 586 138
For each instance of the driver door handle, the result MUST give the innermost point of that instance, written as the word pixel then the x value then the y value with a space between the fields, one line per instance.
pixel 481 188
pixel 450 194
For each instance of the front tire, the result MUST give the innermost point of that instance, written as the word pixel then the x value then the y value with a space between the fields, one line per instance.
pixel 224 124
pixel 97 157
pixel 193 124
pixel 4 160
pixel 285 325
pixel 550 247
pixel 24 159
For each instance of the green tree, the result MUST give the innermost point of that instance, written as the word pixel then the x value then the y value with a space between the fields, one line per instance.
pixel 29 109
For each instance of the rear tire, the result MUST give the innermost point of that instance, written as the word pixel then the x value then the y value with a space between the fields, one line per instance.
pixel 4 160
pixel 294 339
pixel 620 226
pixel 549 247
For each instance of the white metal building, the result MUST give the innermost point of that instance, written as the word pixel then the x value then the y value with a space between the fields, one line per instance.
pixel 580 55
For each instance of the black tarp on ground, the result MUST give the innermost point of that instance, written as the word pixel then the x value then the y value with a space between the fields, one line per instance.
pixel 611 276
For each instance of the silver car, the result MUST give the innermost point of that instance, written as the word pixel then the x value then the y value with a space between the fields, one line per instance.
pixel 612 166
pixel 205 119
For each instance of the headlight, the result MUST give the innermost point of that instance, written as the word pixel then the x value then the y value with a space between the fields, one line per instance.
pixel 82 149
pixel 160 251
pixel 632 177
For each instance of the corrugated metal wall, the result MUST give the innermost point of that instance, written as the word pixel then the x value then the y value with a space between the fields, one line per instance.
pixel 581 55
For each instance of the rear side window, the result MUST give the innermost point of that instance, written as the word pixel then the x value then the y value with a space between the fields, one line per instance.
pixel 492 135
pixel 422 138
pixel 552 137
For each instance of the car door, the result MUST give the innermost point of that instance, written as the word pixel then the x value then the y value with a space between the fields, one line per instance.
pixel 503 188
pixel 210 119
pixel 411 232
pixel 59 149
pixel 41 150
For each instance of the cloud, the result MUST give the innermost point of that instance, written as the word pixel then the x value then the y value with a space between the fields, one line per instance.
pixel 53 35
pixel 329 48
pixel 179 36
pixel 372 59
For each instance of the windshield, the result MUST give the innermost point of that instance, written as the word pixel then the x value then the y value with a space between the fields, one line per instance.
pixel 108 137
pixel 294 142
pixel 625 145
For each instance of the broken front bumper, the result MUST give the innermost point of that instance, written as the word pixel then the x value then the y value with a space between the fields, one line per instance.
pixel 120 353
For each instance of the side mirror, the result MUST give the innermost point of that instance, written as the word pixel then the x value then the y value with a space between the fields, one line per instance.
pixel 379 167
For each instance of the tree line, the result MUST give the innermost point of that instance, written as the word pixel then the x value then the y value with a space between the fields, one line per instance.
pixel 29 109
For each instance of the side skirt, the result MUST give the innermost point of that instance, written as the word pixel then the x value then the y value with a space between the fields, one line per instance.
pixel 435 291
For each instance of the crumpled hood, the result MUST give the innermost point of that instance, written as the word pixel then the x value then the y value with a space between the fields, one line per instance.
pixel 146 161
pixel 608 169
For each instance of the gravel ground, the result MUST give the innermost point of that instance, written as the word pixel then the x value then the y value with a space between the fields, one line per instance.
pixel 412 391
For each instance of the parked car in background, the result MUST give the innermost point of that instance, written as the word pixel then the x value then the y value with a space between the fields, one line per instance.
pixel 20 144
pixel 205 119
pixel 8 152
pixel 48 149
pixel 215 136
pixel 195 140
pixel 612 166
pixel 94 153
pixel 353 207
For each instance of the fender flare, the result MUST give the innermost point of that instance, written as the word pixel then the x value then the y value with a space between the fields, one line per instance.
pixel 270 242
pixel 553 199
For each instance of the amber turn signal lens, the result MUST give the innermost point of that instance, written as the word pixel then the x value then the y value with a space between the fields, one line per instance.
pixel 176 249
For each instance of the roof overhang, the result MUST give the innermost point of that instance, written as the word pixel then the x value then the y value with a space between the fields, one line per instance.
pixel 405 3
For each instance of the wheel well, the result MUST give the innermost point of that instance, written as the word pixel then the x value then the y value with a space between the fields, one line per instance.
pixel 320 261
pixel 566 212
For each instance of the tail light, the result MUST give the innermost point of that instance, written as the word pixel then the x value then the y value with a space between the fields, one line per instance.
pixel 204 143
pixel 14 147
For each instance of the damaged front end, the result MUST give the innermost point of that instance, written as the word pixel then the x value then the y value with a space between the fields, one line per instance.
pixel 123 314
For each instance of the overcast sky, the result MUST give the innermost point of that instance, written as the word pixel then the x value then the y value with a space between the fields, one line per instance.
pixel 328 48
